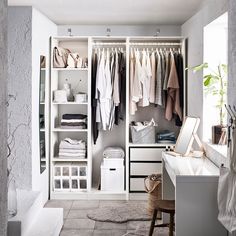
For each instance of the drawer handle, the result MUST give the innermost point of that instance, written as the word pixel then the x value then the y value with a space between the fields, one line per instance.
pixel 112 169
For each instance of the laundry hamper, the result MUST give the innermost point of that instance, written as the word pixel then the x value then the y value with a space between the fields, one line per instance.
pixel 146 135
pixel 152 186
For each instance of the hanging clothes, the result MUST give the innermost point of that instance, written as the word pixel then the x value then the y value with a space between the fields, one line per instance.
pixel 108 83
pixel 145 79
pixel 173 102
pixel 95 129
pixel 153 78
pixel 156 77
pixel 132 104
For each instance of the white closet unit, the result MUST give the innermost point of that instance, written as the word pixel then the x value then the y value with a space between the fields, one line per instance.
pixel 139 158
pixel 70 176
pixel 146 159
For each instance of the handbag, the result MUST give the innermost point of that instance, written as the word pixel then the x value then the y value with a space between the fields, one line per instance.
pixel 227 190
pixel 73 59
pixel 60 56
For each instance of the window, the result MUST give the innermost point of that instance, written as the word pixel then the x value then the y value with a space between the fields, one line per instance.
pixel 215 54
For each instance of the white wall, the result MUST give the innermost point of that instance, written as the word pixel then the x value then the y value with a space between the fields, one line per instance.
pixel 42 29
pixel 20 87
pixel 28 38
pixel 121 30
pixel 193 30
pixel 3 117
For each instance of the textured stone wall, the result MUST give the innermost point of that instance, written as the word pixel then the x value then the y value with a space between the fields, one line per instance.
pixel 232 53
pixel 20 94
pixel 3 117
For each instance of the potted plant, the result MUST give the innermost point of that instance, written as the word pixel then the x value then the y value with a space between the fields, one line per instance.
pixel 215 83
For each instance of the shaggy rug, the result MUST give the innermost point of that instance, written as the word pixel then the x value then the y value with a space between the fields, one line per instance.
pixel 120 214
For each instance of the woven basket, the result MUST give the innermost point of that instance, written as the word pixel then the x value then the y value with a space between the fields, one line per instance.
pixel 152 185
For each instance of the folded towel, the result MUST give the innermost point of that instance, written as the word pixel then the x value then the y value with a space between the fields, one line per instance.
pixel 74 120
pixel 71 154
pixel 73 116
pixel 114 152
pixel 74 123
pixel 68 143
pixel 72 150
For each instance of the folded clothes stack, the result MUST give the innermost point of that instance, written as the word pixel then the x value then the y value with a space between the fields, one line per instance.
pixel 114 152
pixel 74 121
pixel 70 148
pixel 166 136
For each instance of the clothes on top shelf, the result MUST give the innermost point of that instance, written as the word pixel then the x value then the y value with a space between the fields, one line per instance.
pixel 70 148
pixel 108 89
pixel 156 77
pixel 113 152
pixel 166 136
pixel 74 121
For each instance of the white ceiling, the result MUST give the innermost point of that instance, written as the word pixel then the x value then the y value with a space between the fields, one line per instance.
pixel 114 11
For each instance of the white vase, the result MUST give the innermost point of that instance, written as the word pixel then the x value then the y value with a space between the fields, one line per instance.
pixel 12 198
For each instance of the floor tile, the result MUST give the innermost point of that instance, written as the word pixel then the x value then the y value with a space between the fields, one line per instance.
pixel 111 203
pixel 79 224
pixel 138 224
pixel 65 213
pixel 78 214
pixel 104 232
pixel 83 204
pixel 109 225
pixel 66 205
pixel 66 232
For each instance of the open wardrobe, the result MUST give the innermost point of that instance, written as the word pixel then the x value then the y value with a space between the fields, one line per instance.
pixel 118 118
pixel 135 102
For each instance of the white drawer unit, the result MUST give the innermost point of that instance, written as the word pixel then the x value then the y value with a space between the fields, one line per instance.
pixel 145 169
pixel 146 154
pixel 143 161
pixel 137 185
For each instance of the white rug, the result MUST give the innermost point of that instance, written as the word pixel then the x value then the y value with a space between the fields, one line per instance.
pixel 120 214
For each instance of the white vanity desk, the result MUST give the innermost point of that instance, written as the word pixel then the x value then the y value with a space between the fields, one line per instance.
pixel 192 182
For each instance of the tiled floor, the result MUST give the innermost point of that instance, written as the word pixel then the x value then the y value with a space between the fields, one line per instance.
pixel 76 222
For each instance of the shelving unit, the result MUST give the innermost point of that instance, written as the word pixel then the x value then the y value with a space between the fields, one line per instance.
pixel 79 78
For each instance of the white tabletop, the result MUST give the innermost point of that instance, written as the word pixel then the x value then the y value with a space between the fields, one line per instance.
pixel 188 167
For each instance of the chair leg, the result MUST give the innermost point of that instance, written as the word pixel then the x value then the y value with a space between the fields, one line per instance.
pixel 171 226
pixel 153 222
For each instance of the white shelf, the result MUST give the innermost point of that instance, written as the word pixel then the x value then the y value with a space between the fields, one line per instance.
pixel 70 103
pixel 42 103
pixel 68 130
pixel 58 159
pixel 70 69
pixel 42 130
pixel 151 144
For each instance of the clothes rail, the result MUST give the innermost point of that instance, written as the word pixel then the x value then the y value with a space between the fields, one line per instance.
pixel 155 44
pixel 109 44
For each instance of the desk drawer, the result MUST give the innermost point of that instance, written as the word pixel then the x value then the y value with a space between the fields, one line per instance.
pixel 145 168
pixel 146 154
pixel 137 184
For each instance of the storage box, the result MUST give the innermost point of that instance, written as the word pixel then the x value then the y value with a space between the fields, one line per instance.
pixel 113 162
pixel 144 136
pixel 112 178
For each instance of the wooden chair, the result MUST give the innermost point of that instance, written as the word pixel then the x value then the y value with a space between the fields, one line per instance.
pixel 166 206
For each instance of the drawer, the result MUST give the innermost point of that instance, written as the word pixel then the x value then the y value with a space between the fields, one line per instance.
pixel 145 168
pixel 146 154
pixel 137 184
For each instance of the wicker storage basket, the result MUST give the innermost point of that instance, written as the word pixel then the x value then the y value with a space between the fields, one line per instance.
pixel 152 185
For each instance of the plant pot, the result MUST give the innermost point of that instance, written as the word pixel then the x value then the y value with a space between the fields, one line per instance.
pixel 217 132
